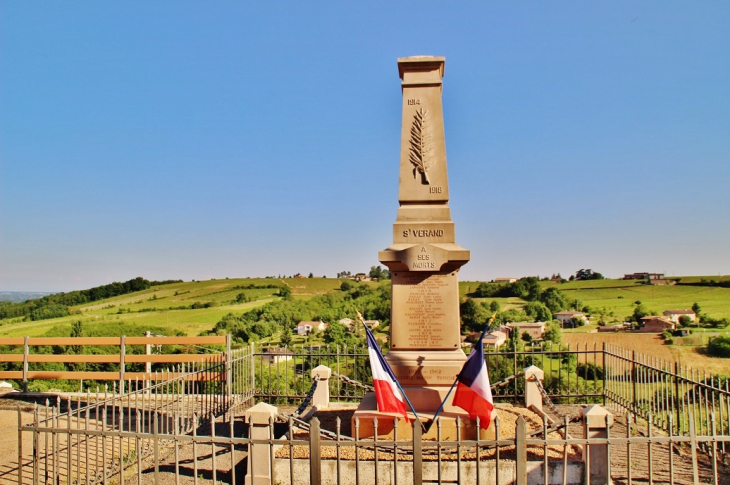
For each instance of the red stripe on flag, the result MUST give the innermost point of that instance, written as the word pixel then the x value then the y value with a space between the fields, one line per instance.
pixel 387 401
pixel 474 404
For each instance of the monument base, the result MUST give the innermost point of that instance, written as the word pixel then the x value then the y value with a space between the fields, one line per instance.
pixel 367 412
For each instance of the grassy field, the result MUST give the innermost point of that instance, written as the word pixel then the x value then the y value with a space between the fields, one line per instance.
pixel 169 306
pixel 652 345
pixel 618 296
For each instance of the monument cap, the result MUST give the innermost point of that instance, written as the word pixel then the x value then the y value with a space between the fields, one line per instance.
pixel 420 62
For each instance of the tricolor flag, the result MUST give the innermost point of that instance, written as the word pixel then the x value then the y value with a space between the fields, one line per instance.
pixel 388 394
pixel 473 391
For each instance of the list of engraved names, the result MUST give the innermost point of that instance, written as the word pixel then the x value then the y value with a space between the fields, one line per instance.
pixel 423 300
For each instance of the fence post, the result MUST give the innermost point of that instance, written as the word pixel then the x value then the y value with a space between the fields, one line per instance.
pixel 521 451
pixel 321 398
pixel 677 398
pixel 596 421
pixel 605 373
pixel 693 448
pixel 633 382
pixel 532 389
pixel 122 354
pixel 25 364
pixel 258 419
pixel 253 370
pixel 315 453
pixel 147 365
pixel 229 368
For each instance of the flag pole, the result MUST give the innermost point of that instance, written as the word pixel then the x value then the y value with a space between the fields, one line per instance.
pixel 362 320
pixel 479 342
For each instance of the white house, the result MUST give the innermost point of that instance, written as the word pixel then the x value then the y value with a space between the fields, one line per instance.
pixel 305 328
pixel 566 317
pixel 495 338
pixel 505 280
pixel 347 322
pixel 274 355
pixel 675 315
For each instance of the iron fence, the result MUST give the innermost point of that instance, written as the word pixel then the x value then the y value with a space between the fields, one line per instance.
pixel 221 451
pixel 87 438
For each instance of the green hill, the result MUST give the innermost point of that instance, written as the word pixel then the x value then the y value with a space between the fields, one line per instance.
pixel 618 296
pixel 189 308
pixel 183 307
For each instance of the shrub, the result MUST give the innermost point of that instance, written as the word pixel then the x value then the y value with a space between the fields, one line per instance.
pixel 589 371
pixel 719 346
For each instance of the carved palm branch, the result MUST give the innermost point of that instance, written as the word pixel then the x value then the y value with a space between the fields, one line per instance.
pixel 420 152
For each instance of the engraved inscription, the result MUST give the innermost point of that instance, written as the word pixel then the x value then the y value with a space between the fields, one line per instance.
pixel 414 102
pixel 425 375
pixel 420 151
pixel 423 232
pixel 424 306
pixel 436 190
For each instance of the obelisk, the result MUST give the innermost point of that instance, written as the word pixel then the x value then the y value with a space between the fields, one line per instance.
pixel 424 259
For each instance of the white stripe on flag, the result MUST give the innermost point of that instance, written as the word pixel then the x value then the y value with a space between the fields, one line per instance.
pixel 380 374
pixel 481 384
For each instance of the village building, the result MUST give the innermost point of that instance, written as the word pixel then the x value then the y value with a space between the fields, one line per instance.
pixel 275 355
pixel 347 322
pixel 372 323
pixel 656 324
pixel 675 315
pixel 534 329
pixel 304 328
pixel 505 280
pixel 495 338
pixel 612 328
pixel 566 317
pixel 644 276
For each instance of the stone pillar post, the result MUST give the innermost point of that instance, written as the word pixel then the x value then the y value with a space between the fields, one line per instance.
pixel 596 421
pixel 259 457
pixel 321 398
pixel 532 391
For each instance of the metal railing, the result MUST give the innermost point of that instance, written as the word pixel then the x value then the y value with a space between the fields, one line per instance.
pixel 87 452
pixel 668 408
pixel 87 438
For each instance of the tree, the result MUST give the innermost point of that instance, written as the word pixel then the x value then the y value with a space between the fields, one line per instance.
pixel 553 333
pixel 538 311
pixel 335 333
pixel 470 313
pixel 311 275
pixel 685 320
pixel 346 286
pixel 527 337
pixel 554 299
pixel 575 304
pixel 719 346
pixel 379 273
pixel 285 292
pixel 577 321
pixel 286 337
pixel 587 274
pixel 697 309
pixel 640 311
pixel 494 306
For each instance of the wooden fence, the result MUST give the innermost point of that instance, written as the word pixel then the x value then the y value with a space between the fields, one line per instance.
pixel 122 359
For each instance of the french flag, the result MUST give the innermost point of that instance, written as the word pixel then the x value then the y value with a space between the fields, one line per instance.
pixel 473 391
pixel 387 392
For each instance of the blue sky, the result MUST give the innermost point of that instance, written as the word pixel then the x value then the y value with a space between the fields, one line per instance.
pixel 203 140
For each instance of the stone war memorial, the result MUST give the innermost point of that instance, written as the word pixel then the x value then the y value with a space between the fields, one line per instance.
pixel 265 413
pixel 424 260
